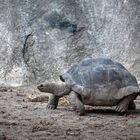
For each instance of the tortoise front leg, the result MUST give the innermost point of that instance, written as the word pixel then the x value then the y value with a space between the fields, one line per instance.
pixel 53 102
pixel 77 103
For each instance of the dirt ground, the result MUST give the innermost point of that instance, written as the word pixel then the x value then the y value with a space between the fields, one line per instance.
pixel 22 117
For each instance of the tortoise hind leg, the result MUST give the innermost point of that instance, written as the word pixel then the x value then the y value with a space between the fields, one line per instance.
pixel 132 105
pixel 53 102
pixel 125 104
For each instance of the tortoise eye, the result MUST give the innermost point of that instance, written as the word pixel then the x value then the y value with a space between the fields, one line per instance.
pixel 41 85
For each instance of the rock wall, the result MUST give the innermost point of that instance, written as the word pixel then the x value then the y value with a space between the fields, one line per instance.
pixel 40 39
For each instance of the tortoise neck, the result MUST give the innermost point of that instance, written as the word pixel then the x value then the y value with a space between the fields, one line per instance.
pixel 58 88
pixel 53 88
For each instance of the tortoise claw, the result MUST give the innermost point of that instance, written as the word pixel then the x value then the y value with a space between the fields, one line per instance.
pixel 122 107
pixel 50 106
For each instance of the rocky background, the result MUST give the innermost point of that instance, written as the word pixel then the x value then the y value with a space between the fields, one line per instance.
pixel 40 39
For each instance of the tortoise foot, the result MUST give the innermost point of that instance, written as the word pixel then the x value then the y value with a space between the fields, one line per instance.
pixel 53 102
pixel 122 106
pixel 51 106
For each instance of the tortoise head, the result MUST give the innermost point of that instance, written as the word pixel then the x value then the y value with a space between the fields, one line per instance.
pixel 55 88
pixel 46 87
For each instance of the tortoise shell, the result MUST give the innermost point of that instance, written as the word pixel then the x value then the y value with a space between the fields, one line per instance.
pixel 104 78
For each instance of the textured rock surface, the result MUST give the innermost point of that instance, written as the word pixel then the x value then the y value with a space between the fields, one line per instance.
pixel 40 39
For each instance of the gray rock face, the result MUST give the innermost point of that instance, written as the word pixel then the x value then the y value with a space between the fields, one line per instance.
pixel 41 39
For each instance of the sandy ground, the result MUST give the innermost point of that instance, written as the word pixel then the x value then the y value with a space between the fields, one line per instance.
pixel 21 119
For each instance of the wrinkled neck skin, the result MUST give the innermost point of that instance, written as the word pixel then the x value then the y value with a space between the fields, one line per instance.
pixel 55 88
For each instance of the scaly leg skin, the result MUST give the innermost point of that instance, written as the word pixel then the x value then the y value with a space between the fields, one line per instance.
pixel 77 103
pixel 53 102
pixel 132 105
pixel 123 105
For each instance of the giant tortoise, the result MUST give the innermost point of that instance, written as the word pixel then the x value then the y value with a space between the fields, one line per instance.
pixel 95 82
